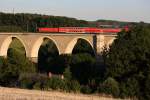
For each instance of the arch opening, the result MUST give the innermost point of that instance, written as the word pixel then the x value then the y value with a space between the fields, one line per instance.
pixel 9 42
pixel 16 51
pixel 83 46
pixel 37 45
pixel 47 52
pixel 71 47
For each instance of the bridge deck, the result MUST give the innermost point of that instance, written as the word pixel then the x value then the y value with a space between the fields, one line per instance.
pixel 74 34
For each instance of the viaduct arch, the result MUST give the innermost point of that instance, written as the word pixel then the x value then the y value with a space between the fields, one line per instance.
pixel 64 42
pixel 6 43
pixel 38 43
pixel 73 42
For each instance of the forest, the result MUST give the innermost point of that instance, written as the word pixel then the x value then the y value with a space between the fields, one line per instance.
pixel 30 22
pixel 25 22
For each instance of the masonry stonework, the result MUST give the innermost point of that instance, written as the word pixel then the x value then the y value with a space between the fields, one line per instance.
pixel 64 42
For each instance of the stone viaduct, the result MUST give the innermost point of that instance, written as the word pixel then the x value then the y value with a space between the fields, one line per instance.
pixel 64 42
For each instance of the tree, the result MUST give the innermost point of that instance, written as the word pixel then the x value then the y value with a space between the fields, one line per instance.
pixel 59 64
pixel 129 57
pixel 8 73
pixel 82 67
pixel 47 53
pixel 147 87
pixel 110 86
pixel 15 64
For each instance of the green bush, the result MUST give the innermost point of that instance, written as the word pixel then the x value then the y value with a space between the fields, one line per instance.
pixel 75 86
pixel 37 86
pixel 8 73
pixel 93 84
pixel 67 73
pixel 58 64
pixel 32 80
pixel 82 67
pixel 86 89
pixel 55 83
pixel 110 86
pixel 26 83
pixel 147 88
pixel 129 88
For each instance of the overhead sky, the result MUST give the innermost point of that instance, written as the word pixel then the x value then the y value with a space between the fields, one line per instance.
pixel 125 10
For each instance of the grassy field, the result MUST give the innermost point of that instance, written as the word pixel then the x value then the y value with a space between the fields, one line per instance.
pixel 22 94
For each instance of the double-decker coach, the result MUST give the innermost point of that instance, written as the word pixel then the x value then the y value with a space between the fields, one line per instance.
pixel 81 30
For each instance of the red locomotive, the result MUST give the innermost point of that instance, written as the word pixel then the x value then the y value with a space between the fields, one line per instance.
pixel 81 30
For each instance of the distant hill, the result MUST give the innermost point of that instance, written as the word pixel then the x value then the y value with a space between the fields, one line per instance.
pixel 113 23
pixel 25 22
pixel 29 22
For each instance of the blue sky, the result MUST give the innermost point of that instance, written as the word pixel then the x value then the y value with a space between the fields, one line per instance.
pixel 125 10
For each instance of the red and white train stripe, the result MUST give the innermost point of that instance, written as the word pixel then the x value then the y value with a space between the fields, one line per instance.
pixel 81 30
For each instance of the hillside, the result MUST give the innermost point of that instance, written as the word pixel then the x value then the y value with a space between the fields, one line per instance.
pixel 25 22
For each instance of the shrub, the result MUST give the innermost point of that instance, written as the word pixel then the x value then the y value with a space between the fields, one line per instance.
pixel 86 89
pixel 8 73
pixel 67 73
pixel 26 83
pixel 59 64
pixel 82 67
pixel 55 83
pixel 37 86
pixel 92 84
pixel 32 80
pixel 110 86
pixel 147 88
pixel 129 88
pixel 75 86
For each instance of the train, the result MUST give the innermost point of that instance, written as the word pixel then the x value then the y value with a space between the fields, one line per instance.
pixel 80 30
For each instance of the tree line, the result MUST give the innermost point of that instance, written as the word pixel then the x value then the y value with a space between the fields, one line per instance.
pixel 26 22
pixel 21 22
